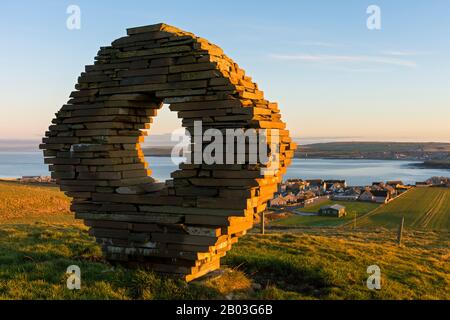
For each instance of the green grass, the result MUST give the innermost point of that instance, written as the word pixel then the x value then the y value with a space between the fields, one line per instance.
pixel 28 203
pixel 332 264
pixel 312 264
pixel 352 207
pixel 308 265
pixel 34 259
pixel 423 208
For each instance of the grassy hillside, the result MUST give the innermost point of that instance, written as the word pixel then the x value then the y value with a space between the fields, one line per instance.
pixel 349 150
pixel 375 150
pixel 311 264
pixel 356 146
pixel 423 208
pixel 158 151
pixel 23 203
pixel 352 208
pixel 308 265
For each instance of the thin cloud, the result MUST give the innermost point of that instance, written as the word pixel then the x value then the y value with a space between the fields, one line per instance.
pixel 318 44
pixel 402 53
pixel 362 70
pixel 336 59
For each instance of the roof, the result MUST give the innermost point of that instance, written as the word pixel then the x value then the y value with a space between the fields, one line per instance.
pixel 290 196
pixel 395 182
pixel 278 200
pixel 334 206
pixel 352 191
pixel 315 180
pixel 380 193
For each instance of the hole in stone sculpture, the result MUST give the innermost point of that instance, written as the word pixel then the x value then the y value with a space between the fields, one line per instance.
pixel 162 132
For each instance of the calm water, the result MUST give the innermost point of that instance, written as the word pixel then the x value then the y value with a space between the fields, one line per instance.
pixel 356 172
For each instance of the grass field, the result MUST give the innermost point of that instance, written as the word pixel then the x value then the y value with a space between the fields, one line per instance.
pixel 23 203
pixel 423 208
pixel 352 207
pixel 312 264
pixel 361 146
pixel 356 149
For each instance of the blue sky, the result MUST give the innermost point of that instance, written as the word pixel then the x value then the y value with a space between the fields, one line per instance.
pixel 333 77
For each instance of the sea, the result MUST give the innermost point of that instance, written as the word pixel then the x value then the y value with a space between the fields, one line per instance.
pixel 355 172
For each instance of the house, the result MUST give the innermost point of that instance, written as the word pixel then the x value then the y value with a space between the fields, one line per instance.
pixel 336 187
pixel 303 197
pixel 395 183
pixel 353 191
pixel 30 177
pixel 345 197
pixel 290 198
pixel 380 196
pixel 309 202
pixel 302 185
pixel 378 184
pixel 350 194
pixel 367 196
pixel 317 184
pixel 306 194
pixel 391 190
pixel 438 181
pixel 292 187
pixel 332 182
pixel 278 201
pixel 314 201
pixel 335 210
pixel 41 179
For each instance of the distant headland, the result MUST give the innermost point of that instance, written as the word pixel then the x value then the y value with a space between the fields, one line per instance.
pixel 431 154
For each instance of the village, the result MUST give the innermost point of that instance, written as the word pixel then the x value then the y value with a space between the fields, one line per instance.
pixel 321 197
pixel 294 194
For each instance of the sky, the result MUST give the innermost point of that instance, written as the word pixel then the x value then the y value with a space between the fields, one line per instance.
pixel 333 77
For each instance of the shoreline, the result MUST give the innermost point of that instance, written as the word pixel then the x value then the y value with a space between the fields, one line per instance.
pixel 432 164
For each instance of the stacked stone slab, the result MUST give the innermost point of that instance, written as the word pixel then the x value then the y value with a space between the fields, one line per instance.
pixel 185 225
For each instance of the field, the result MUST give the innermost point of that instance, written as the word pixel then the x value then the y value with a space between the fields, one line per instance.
pixel 373 150
pixel 423 208
pixel 24 203
pixel 352 207
pixel 350 150
pixel 380 146
pixel 39 244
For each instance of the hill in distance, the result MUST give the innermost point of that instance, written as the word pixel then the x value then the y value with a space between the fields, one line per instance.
pixel 377 150
pixel 435 154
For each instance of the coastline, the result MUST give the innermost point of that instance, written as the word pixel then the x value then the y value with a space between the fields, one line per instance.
pixel 442 165
pixel 356 171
